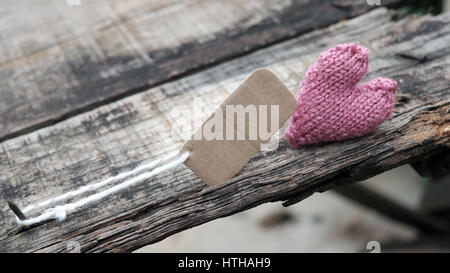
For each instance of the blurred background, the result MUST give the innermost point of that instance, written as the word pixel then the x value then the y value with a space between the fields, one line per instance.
pixel 333 221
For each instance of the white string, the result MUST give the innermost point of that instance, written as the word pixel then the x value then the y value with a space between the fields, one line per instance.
pixel 60 212
pixel 98 185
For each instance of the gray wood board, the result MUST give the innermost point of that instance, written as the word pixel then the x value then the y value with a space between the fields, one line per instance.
pixel 58 60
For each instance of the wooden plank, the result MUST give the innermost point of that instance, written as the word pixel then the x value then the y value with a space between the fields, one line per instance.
pixel 58 60
pixel 120 135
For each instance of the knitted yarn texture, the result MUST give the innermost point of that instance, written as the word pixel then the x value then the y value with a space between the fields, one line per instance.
pixel 330 105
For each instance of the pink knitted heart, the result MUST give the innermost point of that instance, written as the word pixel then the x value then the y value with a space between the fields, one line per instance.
pixel 330 107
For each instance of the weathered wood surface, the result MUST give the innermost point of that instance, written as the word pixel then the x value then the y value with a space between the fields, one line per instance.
pixel 120 135
pixel 58 60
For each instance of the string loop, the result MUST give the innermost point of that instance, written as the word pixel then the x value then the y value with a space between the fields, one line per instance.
pixel 60 212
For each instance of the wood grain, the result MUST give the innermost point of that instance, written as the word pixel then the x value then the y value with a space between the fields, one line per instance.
pixel 120 135
pixel 57 60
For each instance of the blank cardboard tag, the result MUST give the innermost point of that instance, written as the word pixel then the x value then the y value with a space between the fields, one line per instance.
pixel 227 140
